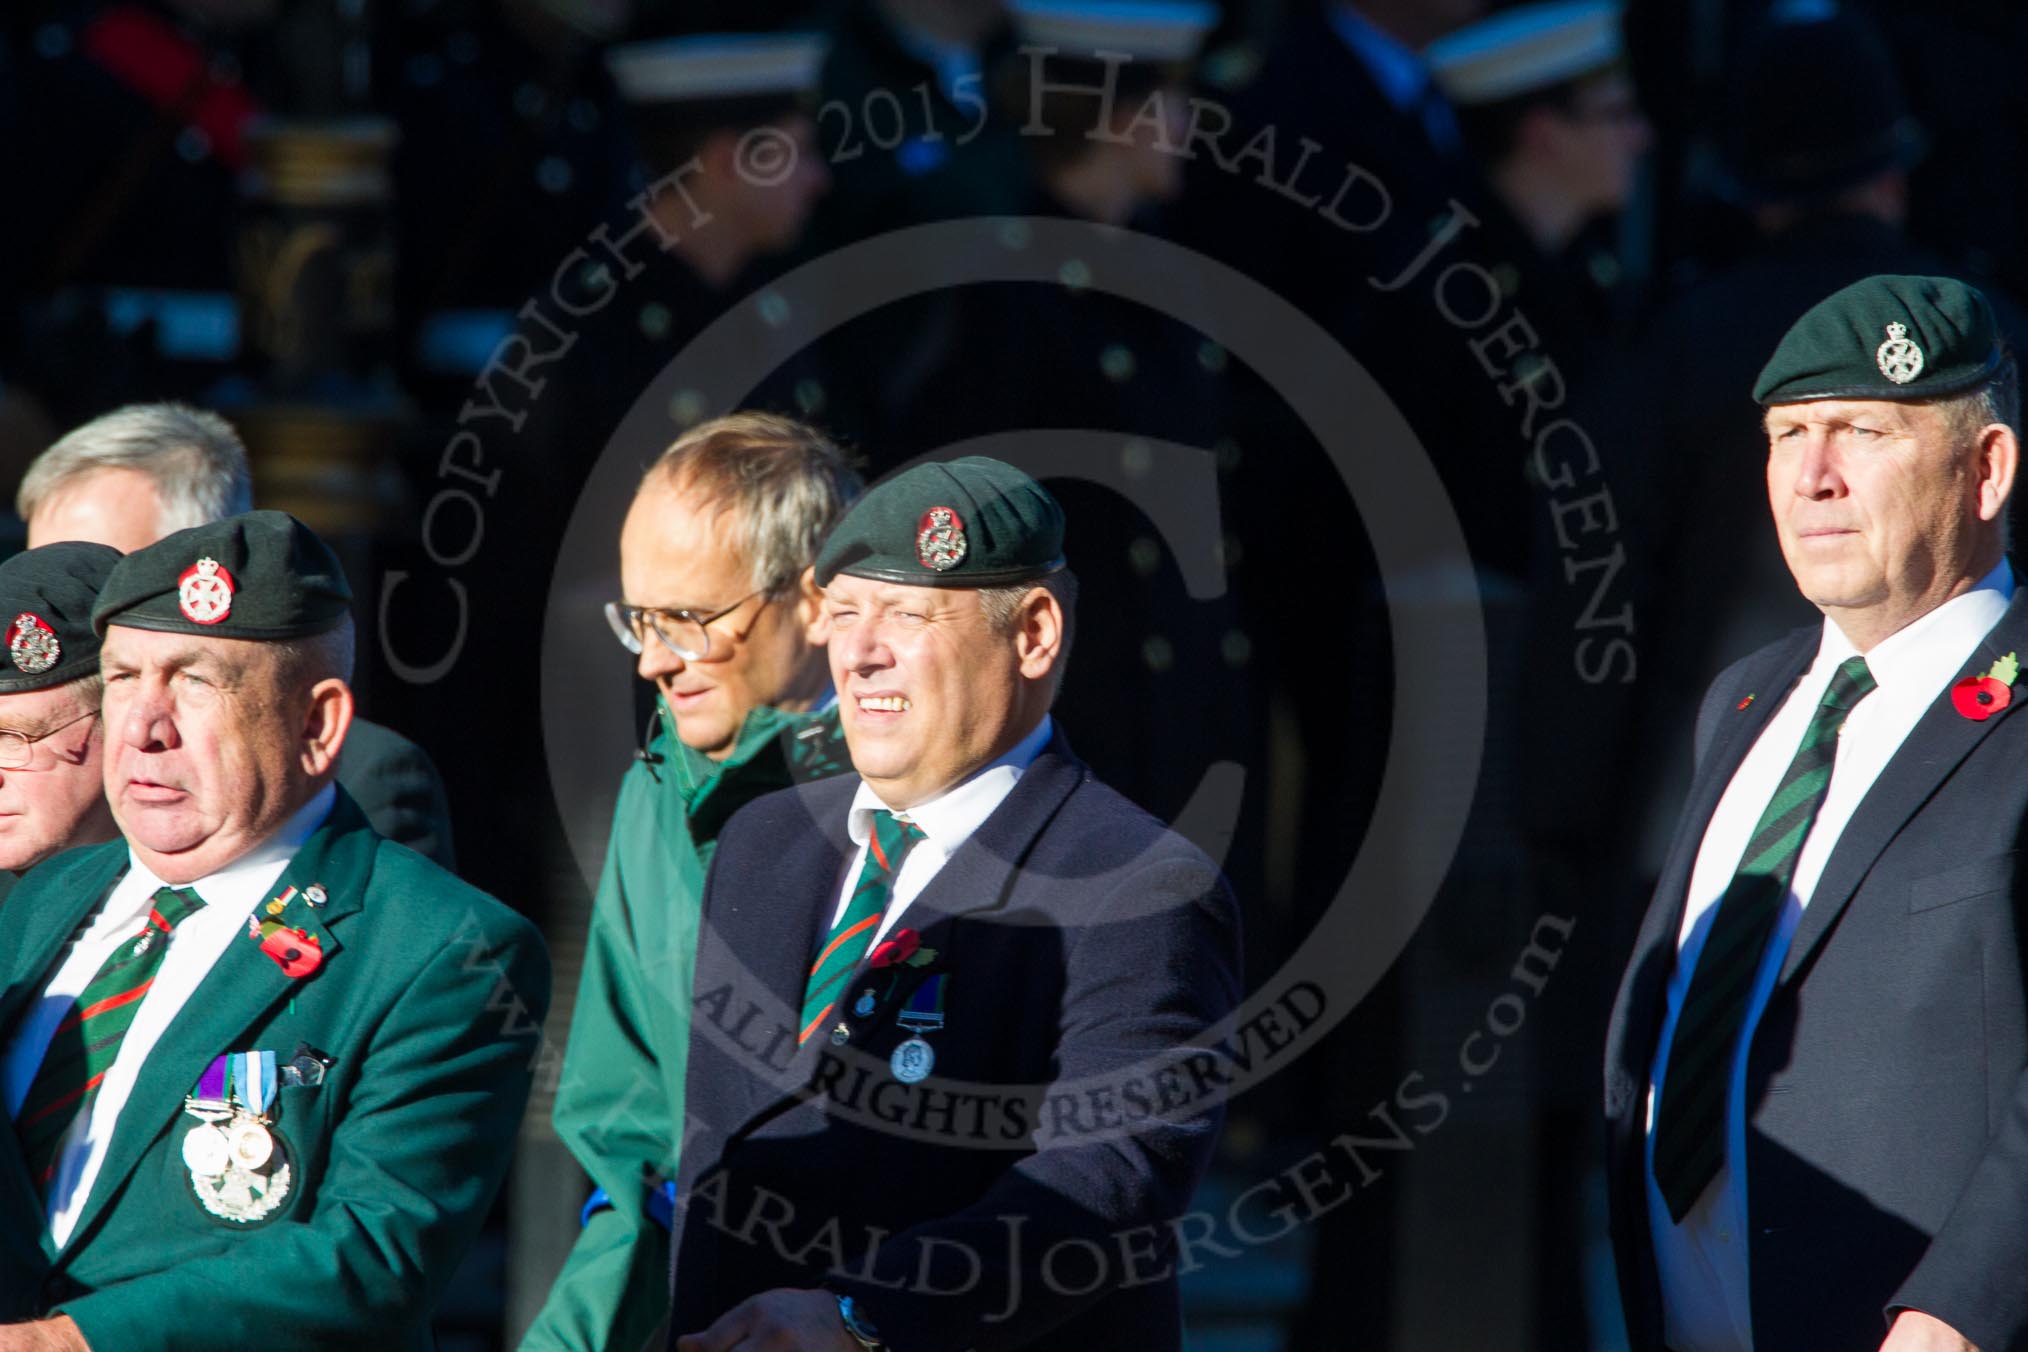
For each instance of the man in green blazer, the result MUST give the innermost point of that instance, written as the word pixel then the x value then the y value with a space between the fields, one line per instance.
pixel 262 1067
pixel 721 617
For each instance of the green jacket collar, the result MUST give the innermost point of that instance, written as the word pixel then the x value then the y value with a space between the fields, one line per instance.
pixel 774 750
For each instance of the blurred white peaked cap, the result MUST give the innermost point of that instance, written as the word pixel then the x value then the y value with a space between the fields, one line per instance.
pixel 1145 32
pixel 717 66
pixel 1531 47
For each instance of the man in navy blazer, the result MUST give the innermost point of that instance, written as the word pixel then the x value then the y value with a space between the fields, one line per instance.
pixel 1814 1079
pixel 951 1081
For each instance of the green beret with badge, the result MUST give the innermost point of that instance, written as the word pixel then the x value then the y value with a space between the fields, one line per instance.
pixel 972 522
pixel 1887 337
pixel 46 598
pixel 260 575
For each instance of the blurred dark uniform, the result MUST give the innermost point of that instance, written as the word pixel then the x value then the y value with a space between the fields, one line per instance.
pixel 125 128
pixel 909 131
pixel 509 153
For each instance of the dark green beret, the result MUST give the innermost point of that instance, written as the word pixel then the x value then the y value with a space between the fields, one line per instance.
pixel 259 575
pixel 974 522
pixel 46 598
pixel 1885 338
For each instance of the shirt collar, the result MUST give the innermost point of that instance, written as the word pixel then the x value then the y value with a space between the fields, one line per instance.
pixel 1396 68
pixel 949 819
pixel 1926 653
pixel 241 884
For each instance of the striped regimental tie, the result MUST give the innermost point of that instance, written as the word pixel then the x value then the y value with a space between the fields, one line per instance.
pixel 86 1043
pixel 888 846
pixel 1690 1121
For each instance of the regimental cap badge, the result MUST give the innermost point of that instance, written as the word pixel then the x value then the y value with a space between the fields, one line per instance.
pixel 940 539
pixel 1899 359
pixel 204 592
pixel 32 644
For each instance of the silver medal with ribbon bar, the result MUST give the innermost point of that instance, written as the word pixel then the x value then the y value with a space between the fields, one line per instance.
pixel 238 1169
pixel 914 1059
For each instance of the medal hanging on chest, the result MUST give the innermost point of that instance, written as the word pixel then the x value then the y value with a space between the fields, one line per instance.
pixel 914 1059
pixel 238 1168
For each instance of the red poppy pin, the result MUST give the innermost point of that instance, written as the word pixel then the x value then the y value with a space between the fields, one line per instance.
pixel 1748 700
pixel 296 951
pixel 904 945
pixel 1980 697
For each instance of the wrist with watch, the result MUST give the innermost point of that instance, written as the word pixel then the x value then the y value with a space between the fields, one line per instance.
pixel 859 1326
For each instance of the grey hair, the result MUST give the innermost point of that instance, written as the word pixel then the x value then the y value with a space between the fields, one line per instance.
pixel 786 481
pixel 302 662
pixel 90 689
pixel 1998 400
pixel 195 458
pixel 1001 604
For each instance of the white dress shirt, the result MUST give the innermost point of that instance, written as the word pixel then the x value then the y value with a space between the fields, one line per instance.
pixel 231 896
pixel 1702 1262
pixel 947 821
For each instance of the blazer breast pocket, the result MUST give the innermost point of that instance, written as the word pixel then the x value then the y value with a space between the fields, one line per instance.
pixel 1993 876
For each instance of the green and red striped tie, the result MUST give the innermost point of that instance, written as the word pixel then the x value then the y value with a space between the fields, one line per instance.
pixel 87 1042
pixel 1690 1120
pixel 886 848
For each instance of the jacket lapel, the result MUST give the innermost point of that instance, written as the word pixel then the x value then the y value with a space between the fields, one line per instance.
pixel 1933 749
pixel 52 918
pixel 1734 738
pixel 757 938
pixel 978 878
pixel 1641 1006
pixel 243 986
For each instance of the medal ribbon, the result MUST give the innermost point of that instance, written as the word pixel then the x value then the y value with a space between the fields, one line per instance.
pixel 251 1080
pixel 925 1009
pixel 211 1086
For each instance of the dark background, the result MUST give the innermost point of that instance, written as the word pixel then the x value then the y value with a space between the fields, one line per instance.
pixel 337 290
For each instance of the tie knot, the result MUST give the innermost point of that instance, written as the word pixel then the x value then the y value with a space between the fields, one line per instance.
pixel 173 905
pixel 892 839
pixel 1852 683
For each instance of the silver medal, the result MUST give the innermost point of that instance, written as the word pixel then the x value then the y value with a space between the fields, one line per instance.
pixel 912 1061
pixel 252 1146
pixel 206 1152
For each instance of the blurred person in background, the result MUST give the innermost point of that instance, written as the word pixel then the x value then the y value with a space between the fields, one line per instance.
pixel 1548 115
pixel 918 139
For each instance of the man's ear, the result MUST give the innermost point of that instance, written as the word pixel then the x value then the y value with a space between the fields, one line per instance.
pixel 810 610
pixel 1038 633
pixel 325 724
pixel 1999 460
